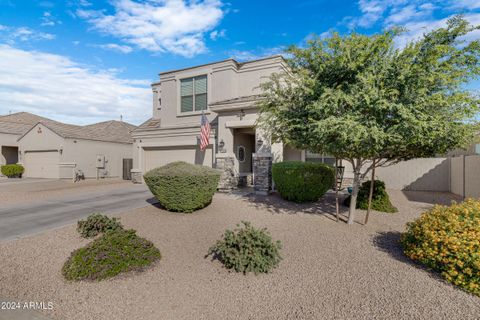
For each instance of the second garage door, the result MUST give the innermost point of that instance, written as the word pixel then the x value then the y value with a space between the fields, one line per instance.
pixel 42 164
pixel 156 157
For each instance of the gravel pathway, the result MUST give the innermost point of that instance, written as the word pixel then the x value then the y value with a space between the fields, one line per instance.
pixel 329 271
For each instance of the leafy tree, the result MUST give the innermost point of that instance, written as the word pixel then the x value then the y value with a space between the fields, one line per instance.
pixel 361 98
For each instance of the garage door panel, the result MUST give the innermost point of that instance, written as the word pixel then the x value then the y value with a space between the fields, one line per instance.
pixel 159 157
pixel 44 164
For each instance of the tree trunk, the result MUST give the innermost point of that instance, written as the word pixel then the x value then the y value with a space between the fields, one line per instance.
pixel 353 198
pixel 370 195
pixel 337 206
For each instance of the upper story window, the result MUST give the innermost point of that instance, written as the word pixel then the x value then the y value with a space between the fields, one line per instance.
pixel 193 94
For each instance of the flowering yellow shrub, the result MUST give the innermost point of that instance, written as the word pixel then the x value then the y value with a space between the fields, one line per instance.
pixel 447 239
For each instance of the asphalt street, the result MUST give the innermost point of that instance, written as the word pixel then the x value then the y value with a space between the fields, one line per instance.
pixel 20 220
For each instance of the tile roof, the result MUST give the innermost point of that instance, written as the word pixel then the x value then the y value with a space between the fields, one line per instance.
pixel 149 124
pixel 110 131
pixel 254 97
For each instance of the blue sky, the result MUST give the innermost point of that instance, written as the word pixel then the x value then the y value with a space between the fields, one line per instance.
pixel 83 61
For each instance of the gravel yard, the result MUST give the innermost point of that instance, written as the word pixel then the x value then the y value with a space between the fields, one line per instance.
pixel 329 271
pixel 16 190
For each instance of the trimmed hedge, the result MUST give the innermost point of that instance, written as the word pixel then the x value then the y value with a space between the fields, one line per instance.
pixel 447 239
pixel 113 253
pixel 380 199
pixel 12 170
pixel 96 224
pixel 247 249
pixel 302 181
pixel 183 187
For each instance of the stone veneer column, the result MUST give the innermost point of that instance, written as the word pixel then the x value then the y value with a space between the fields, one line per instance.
pixel 229 178
pixel 262 173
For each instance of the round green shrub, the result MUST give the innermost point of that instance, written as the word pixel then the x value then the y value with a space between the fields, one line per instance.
pixel 96 224
pixel 12 170
pixel 113 253
pixel 447 239
pixel 183 187
pixel 380 199
pixel 302 181
pixel 246 249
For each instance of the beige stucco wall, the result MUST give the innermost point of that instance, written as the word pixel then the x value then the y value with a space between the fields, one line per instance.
pixel 77 154
pixel 84 154
pixel 291 154
pixel 457 174
pixel 472 178
pixel 428 174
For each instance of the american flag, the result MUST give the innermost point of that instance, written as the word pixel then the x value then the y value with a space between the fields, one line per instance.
pixel 204 133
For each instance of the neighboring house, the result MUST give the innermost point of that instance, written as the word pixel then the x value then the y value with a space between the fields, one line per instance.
pixel 227 92
pixel 51 149
pixel 11 128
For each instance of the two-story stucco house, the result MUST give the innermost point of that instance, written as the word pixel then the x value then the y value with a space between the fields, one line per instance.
pixel 227 92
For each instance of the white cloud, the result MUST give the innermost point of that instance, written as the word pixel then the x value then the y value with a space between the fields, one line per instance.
pixel 13 34
pixel 417 16
pixel 247 55
pixel 174 26
pixel 57 87
pixel 216 34
pixel 48 20
pixel 116 47
pixel 417 29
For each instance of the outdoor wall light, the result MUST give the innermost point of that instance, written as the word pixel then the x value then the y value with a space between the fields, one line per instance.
pixel 259 142
pixel 61 149
pixel 221 146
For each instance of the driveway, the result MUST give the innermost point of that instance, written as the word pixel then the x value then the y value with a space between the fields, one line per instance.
pixel 19 220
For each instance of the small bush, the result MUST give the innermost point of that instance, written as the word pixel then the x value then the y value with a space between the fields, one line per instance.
pixel 302 181
pixel 96 224
pixel 380 199
pixel 115 252
pixel 183 187
pixel 12 170
pixel 447 239
pixel 247 249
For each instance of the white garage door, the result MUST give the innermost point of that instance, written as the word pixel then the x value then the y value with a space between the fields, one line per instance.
pixel 42 164
pixel 157 157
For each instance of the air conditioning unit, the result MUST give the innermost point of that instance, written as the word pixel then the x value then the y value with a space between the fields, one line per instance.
pixel 100 163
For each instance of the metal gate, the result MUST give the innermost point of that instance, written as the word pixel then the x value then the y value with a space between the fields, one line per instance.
pixel 127 169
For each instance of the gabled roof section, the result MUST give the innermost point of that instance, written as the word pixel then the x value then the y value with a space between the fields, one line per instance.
pixel 109 131
pixel 19 123
pixel 149 124
pixel 23 118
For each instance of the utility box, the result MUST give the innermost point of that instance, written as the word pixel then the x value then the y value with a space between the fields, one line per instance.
pixel 100 163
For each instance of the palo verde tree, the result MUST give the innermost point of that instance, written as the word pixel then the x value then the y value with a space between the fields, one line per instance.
pixel 362 99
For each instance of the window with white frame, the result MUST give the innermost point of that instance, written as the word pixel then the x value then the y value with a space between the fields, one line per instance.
pixel 193 94
pixel 317 157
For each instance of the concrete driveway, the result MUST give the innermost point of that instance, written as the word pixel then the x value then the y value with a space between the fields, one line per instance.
pixel 19 220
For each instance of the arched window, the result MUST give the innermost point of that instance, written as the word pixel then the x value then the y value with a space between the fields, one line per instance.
pixel 241 153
